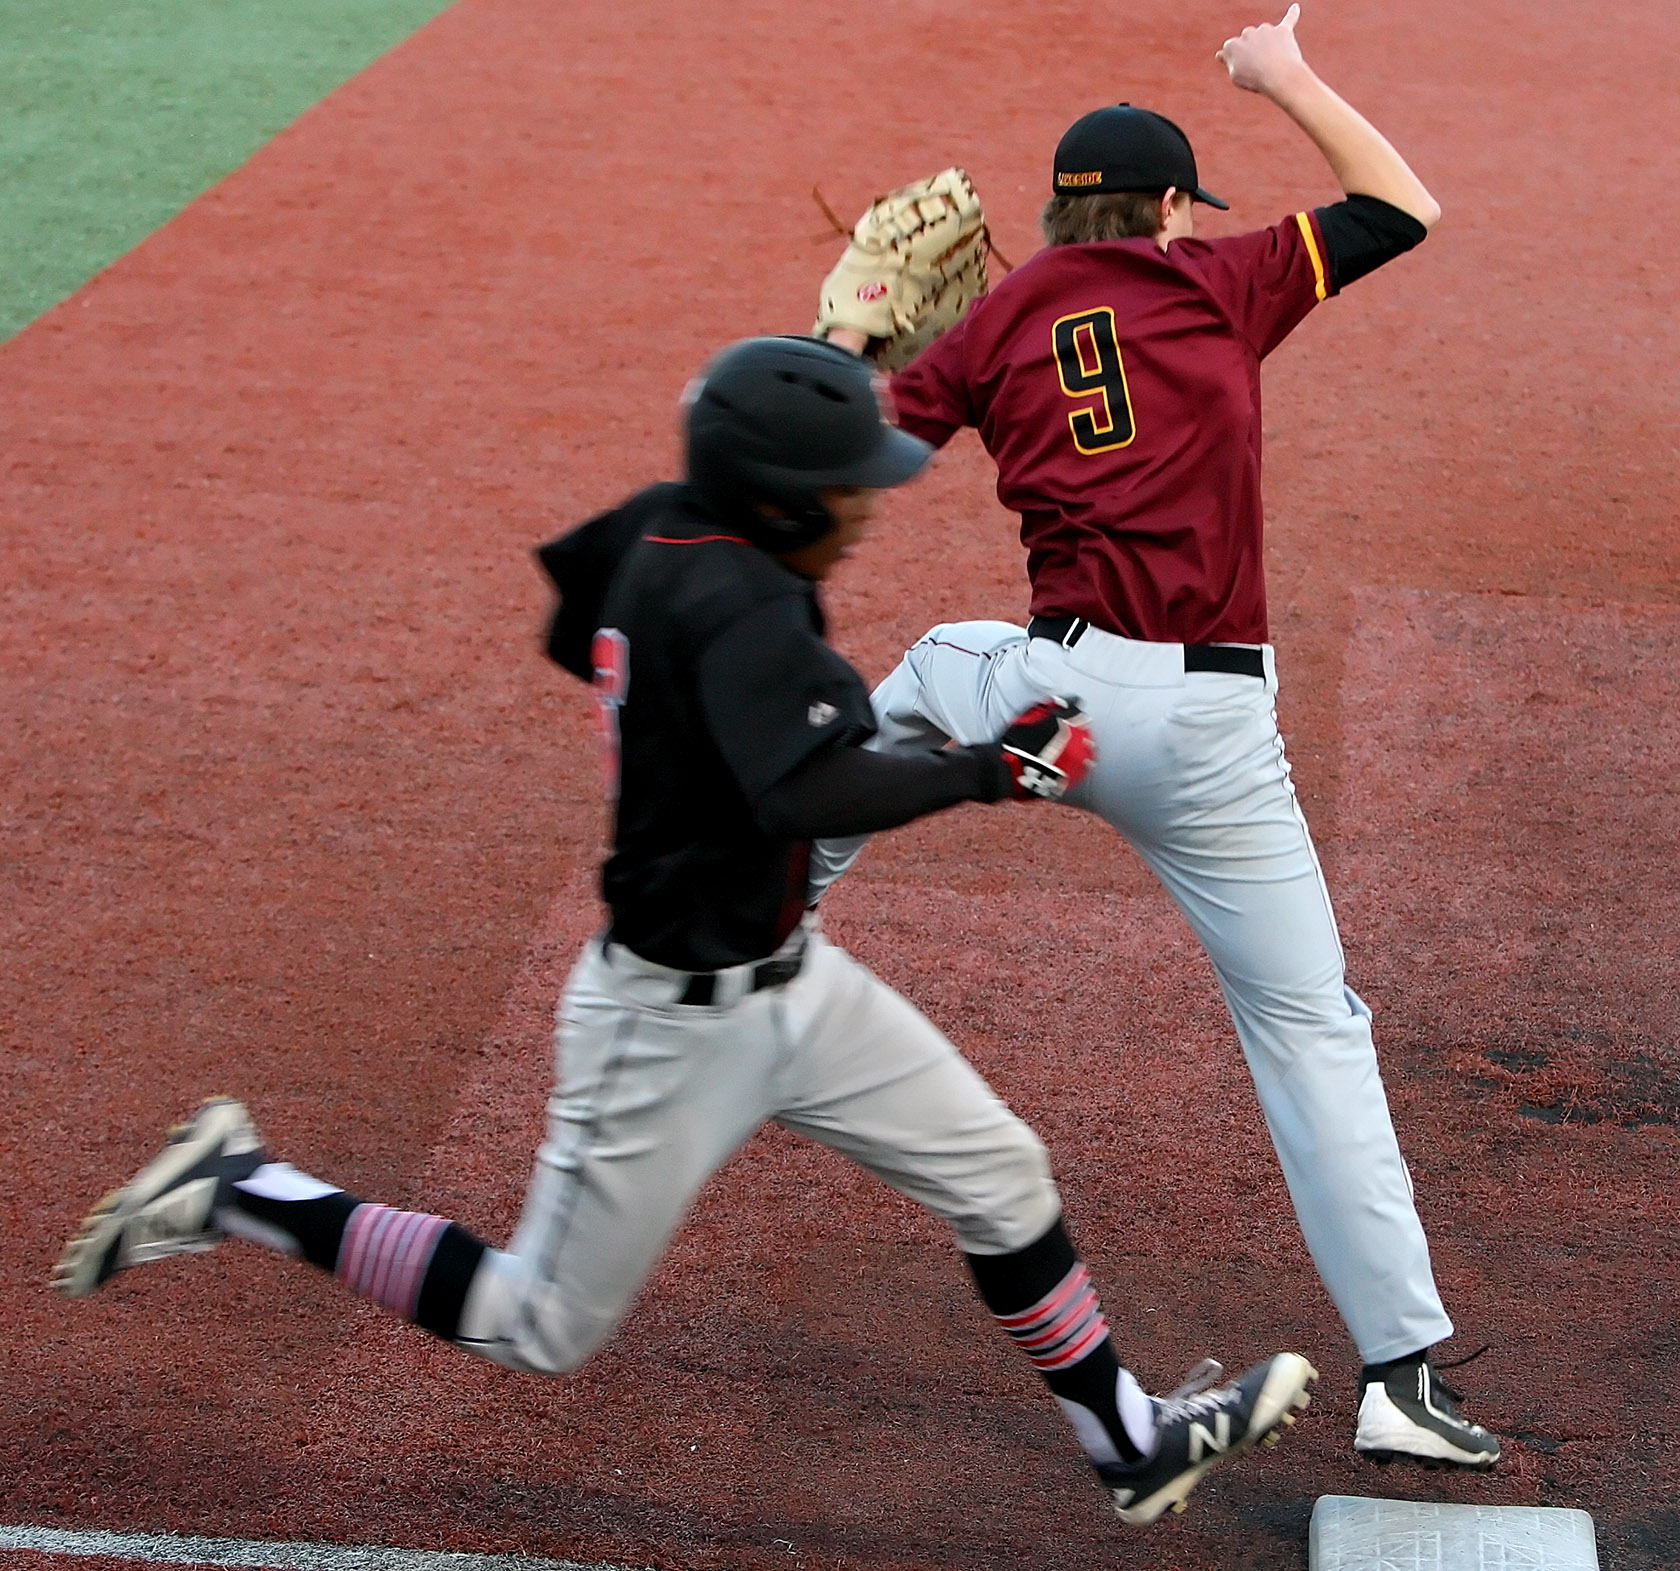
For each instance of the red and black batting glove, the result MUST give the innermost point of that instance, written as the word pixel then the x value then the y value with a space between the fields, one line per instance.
pixel 1048 749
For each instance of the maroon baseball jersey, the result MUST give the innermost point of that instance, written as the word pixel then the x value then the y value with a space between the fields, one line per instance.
pixel 1117 387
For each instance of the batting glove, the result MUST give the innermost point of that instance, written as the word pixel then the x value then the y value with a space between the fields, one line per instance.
pixel 1048 749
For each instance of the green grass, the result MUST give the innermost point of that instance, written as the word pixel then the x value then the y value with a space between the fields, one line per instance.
pixel 114 114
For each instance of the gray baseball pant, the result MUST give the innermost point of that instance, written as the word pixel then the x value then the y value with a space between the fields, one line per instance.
pixel 1191 770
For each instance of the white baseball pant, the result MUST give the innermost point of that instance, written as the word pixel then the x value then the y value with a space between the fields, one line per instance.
pixel 1191 770
pixel 654 1096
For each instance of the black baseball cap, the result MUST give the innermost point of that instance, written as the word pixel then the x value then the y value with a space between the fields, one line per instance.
pixel 1122 148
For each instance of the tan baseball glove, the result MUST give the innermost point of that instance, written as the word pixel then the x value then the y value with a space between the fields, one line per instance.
pixel 916 260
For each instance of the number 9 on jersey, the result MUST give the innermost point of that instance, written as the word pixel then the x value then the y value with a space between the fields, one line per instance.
pixel 1088 361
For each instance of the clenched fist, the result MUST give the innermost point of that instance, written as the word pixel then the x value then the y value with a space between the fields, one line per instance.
pixel 1259 57
pixel 1048 749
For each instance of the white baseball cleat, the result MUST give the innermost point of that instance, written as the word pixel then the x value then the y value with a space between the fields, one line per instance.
pixel 1197 1432
pixel 1407 1411
pixel 167 1207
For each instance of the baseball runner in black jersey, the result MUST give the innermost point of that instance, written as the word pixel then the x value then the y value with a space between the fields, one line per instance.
pixel 713 1002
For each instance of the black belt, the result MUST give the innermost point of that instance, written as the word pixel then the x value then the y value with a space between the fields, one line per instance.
pixel 769 973
pixel 700 987
pixel 1233 659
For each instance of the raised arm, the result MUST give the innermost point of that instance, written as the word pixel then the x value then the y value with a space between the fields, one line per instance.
pixel 1267 60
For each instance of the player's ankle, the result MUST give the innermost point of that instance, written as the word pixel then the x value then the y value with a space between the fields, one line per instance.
pixel 1379 1371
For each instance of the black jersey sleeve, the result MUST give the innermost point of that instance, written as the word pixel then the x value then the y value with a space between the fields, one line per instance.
pixel 773 693
pixel 848 791
pixel 1361 233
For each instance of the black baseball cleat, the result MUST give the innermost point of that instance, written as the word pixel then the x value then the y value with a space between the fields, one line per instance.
pixel 1197 1432
pixel 167 1207
pixel 1407 1411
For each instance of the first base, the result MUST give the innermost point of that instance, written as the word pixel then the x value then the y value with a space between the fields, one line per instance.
pixel 1351 1533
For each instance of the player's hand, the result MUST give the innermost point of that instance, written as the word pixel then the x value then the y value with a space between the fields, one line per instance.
pixel 1048 749
pixel 1261 58
pixel 848 338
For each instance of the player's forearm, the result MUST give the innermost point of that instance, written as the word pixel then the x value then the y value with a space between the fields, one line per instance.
pixel 1361 157
pixel 850 791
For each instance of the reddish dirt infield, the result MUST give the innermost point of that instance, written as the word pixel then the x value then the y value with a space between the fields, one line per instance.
pixel 294 809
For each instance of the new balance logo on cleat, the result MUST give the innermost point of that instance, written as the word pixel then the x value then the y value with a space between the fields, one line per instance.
pixel 1198 1431
pixel 168 1207
pixel 1202 1441
pixel 1407 1411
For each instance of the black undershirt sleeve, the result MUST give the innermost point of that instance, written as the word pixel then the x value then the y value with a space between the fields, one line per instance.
pixel 1361 233
pixel 850 791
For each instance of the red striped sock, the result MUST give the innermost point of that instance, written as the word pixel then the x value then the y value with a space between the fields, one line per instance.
pixel 384 1255
pixel 1063 1327
pixel 1042 1296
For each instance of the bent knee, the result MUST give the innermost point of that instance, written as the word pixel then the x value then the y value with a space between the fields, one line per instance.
pixel 523 1323
pixel 1016 1199
pixel 549 1344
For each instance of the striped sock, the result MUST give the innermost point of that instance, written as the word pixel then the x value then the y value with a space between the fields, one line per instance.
pixel 409 1262
pixel 1063 1327
pixel 1043 1298
pixel 384 1254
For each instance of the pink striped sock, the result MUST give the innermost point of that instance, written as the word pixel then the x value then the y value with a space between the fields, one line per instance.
pixel 384 1255
pixel 1063 1327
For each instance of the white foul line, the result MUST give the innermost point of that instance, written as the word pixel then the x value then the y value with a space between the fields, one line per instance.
pixel 177 1549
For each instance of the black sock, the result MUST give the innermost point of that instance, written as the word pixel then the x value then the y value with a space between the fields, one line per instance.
pixel 1042 1296
pixel 315 1225
pixel 1376 1372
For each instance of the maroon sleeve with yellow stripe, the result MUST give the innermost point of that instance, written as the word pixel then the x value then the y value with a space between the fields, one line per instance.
pixel 1266 281
pixel 1308 225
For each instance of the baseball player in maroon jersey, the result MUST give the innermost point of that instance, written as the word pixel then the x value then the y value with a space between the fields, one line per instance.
pixel 1115 380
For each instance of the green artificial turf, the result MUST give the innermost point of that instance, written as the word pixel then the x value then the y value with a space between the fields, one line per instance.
pixel 114 114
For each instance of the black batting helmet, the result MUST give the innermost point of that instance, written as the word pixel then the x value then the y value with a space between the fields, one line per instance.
pixel 773 422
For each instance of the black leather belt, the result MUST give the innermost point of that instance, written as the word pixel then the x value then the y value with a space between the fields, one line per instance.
pixel 1233 659
pixel 769 973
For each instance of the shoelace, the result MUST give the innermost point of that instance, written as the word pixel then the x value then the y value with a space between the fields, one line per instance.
pixel 1458 1363
pixel 1452 1395
pixel 1469 1358
pixel 1170 1409
pixel 1193 1399
pixel 1440 1388
pixel 1203 1373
